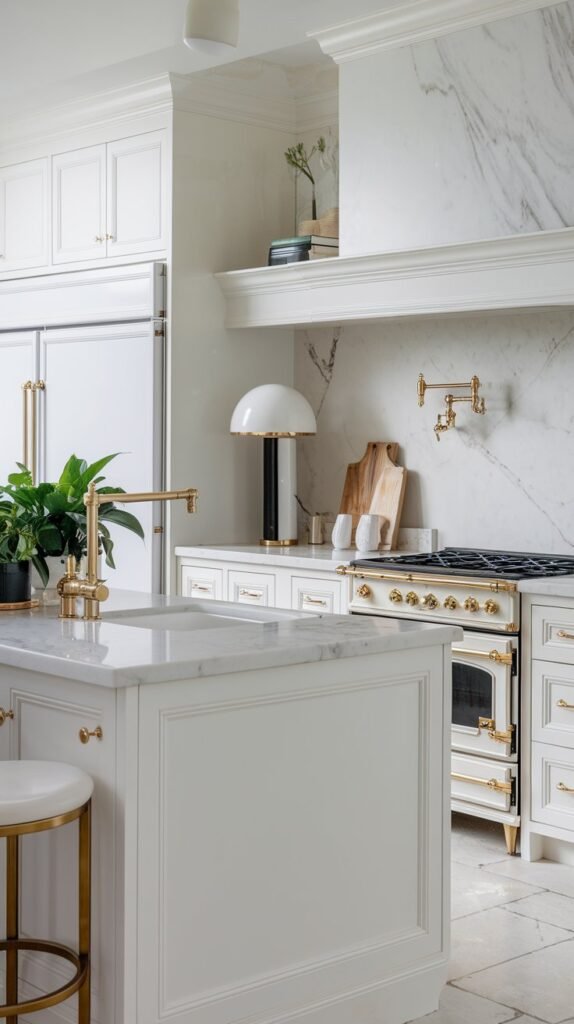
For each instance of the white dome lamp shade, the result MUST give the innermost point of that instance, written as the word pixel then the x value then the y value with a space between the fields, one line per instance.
pixel 212 26
pixel 279 415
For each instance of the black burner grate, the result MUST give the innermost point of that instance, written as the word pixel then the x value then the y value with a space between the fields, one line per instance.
pixel 510 565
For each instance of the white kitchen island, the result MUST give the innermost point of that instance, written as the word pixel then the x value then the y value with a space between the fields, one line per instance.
pixel 271 809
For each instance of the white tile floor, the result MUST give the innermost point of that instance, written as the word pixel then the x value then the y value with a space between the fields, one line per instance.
pixel 512 935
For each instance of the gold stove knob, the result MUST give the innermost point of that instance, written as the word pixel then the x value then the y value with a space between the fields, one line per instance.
pixel 395 596
pixel 451 603
pixel 430 601
pixel 412 598
pixel 471 604
pixel 364 591
pixel 491 607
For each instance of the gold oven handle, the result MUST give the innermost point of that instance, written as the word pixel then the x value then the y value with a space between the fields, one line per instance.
pixel 497 656
pixel 564 635
pixel 501 787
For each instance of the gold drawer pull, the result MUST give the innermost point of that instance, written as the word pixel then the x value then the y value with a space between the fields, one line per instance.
pixel 564 635
pixel 500 659
pixel 564 704
pixel 6 714
pixel 198 586
pixel 251 593
pixel 85 734
pixel 501 787
pixel 564 789
pixel 314 600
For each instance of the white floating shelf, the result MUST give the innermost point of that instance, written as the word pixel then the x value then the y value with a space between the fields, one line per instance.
pixel 533 271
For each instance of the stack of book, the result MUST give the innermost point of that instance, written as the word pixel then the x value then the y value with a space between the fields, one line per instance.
pixel 302 247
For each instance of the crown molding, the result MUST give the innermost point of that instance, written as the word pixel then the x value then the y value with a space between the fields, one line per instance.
pixel 143 99
pixel 227 100
pixel 530 271
pixel 414 22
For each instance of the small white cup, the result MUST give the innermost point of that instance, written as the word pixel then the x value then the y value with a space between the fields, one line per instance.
pixel 342 530
pixel 368 535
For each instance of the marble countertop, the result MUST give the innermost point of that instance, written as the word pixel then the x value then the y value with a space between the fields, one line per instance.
pixel 107 654
pixel 551 586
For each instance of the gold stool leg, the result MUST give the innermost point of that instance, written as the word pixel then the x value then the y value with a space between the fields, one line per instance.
pixel 511 835
pixel 12 922
pixel 85 895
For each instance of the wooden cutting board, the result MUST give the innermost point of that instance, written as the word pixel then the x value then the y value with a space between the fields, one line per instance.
pixel 363 477
pixel 387 502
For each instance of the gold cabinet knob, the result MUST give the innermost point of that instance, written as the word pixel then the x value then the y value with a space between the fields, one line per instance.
pixel 85 734
pixel 451 603
pixel 412 598
pixel 395 596
pixel 110 238
pixel 471 604
pixel 430 601
pixel 364 590
pixel 491 607
pixel 5 714
pixel 98 239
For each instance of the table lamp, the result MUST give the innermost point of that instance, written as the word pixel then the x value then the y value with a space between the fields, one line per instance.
pixel 278 414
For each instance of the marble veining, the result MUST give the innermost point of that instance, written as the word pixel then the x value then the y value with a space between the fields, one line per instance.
pixel 500 480
pixel 108 654
pixel 464 137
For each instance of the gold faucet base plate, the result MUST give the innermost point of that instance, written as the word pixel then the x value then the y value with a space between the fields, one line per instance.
pixel 19 606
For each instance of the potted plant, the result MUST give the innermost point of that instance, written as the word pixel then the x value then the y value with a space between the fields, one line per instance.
pixel 55 514
pixel 18 546
pixel 298 158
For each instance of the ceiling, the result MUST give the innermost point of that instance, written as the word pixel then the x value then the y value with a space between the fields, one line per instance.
pixel 62 49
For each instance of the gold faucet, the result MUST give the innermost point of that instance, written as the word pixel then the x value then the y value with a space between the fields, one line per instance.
pixel 89 587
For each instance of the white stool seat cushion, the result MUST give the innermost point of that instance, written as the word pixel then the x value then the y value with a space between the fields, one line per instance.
pixel 32 790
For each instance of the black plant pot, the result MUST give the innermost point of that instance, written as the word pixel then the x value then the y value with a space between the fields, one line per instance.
pixel 15 582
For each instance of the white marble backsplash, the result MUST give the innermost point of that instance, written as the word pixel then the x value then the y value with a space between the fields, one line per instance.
pixel 464 137
pixel 502 480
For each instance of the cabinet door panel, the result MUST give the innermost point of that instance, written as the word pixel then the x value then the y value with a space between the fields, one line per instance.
pixel 103 395
pixel 136 220
pixel 17 365
pixel 24 215
pixel 79 205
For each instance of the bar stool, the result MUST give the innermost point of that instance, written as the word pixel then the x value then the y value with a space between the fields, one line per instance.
pixel 36 796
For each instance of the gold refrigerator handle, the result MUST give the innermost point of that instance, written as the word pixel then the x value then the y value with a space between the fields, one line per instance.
pixel 38 385
pixel 26 392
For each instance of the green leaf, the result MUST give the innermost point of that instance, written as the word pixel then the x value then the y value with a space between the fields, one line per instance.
pixel 122 518
pixel 41 567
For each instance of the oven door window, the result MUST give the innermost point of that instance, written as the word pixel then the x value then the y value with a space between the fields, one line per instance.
pixel 472 694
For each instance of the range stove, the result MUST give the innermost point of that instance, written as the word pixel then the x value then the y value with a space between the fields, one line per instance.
pixel 478 590
pixel 452 585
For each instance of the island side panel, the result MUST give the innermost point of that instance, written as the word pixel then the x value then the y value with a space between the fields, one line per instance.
pixel 292 843
pixel 48 715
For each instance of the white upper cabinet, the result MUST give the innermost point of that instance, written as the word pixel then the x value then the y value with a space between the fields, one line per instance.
pixel 110 200
pixel 79 205
pixel 24 215
pixel 137 195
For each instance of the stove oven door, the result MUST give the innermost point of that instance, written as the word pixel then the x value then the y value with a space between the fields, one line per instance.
pixel 484 697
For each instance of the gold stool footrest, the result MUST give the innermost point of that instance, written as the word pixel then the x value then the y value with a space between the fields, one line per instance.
pixel 51 998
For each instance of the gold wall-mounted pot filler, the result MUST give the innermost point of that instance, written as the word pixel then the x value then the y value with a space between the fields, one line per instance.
pixel 447 419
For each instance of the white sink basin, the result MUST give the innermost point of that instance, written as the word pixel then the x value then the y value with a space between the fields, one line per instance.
pixel 203 615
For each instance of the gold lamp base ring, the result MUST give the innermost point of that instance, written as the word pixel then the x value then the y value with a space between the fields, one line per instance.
pixel 51 998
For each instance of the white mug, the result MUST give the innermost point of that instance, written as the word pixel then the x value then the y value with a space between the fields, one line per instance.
pixel 368 535
pixel 342 530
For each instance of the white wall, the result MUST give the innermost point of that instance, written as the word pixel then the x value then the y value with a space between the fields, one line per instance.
pixel 232 194
pixel 464 137
pixel 502 480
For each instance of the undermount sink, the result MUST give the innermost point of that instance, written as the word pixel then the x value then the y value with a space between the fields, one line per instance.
pixel 202 616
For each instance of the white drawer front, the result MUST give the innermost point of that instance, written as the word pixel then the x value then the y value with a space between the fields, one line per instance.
pixel 553 634
pixel 197 581
pixel 251 588
pixel 315 595
pixel 480 782
pixel 553 703
pixel 553 785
